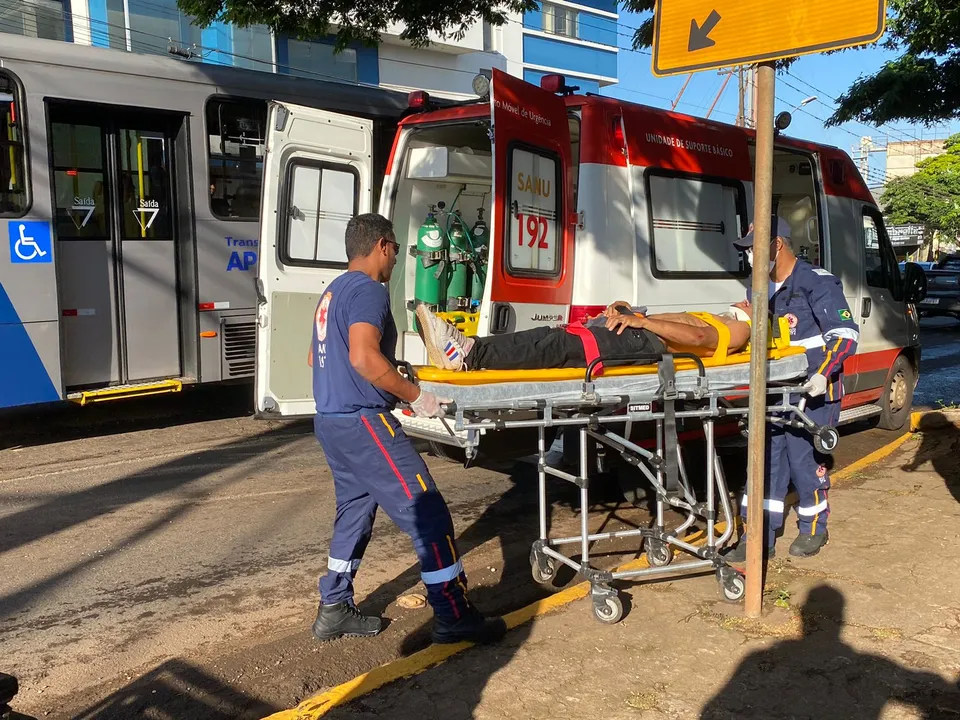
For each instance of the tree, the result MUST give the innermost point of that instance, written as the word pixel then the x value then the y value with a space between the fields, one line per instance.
pixel 931 196
pixel 357 20
pixel 922 85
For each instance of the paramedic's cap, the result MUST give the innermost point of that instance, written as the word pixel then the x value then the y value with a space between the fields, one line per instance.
pixel 779 228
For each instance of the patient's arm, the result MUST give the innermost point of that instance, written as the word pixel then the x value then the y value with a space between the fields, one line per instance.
pixel 673 332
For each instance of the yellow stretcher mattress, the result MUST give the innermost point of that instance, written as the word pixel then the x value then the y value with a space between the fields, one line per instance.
pixel 778 348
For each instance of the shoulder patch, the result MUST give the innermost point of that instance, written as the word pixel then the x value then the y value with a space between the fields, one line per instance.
pixel 845 314
pixel 821 271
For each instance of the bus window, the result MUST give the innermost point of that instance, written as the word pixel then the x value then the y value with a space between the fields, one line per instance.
pixel 13 172
pixel 693 224
pixel 237 131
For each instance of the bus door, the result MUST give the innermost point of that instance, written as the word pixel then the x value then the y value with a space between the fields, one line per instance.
pixel 533 220
pixel 317 175
pixel 116 225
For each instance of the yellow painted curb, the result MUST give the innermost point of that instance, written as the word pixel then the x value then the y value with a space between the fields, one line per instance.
pixel 318 705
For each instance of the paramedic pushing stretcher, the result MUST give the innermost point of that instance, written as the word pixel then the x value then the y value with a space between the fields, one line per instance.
pixel 811 299
pixel 374 464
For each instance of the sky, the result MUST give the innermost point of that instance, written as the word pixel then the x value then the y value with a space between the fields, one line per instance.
pixel 823 76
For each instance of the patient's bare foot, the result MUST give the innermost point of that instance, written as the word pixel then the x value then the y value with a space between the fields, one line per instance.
pixel 446 346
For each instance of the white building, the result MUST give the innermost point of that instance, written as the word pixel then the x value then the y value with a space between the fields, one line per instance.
pixel 576 39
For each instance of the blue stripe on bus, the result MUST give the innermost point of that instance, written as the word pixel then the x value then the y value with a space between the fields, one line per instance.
pixel 23 378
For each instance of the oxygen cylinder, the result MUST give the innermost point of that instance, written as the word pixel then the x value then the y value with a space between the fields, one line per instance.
pixel 481 238
pixel 431 274
pixel 458 287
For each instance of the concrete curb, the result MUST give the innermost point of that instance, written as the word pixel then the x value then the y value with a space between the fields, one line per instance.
pixel 318 705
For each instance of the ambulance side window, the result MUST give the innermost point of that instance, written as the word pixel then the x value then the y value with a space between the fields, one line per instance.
pixel 694 221
pixel 534 209
pixel 879 260
pixel 319 198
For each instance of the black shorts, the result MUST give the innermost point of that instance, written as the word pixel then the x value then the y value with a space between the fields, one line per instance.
pixel 631 343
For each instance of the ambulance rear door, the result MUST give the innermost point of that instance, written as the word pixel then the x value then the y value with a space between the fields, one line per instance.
pixel 317 175
pixel 530 278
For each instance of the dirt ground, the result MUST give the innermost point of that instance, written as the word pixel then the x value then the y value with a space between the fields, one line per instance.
pixel 869 628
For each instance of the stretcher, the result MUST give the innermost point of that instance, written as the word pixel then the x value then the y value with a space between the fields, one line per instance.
pixel 657 389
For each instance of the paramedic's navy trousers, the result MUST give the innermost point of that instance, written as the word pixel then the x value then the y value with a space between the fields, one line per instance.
pixel 790 456
pixel 374 465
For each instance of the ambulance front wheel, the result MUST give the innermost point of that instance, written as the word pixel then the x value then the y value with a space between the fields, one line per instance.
pixel 897 399
pixel 826 441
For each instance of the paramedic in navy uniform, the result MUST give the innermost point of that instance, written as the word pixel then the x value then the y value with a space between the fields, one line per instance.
pixel 811 299
pixel 374 464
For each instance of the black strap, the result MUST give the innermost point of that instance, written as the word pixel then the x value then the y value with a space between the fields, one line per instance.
pixel 668 391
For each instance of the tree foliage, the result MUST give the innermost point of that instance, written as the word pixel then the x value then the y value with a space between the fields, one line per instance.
pixel 357 20
pixel 931 196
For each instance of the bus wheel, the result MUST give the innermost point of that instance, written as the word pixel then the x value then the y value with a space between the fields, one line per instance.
pixel 897 398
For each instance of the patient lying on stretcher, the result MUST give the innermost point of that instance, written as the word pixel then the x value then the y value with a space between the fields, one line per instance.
pixel 617 332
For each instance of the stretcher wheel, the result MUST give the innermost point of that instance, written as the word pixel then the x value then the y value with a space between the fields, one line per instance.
pixel 609 611
pixel 543 570
pixel 732 585
pixel 658 553
pixel 826 441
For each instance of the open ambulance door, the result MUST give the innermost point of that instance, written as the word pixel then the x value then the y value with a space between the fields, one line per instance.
pixel 533 222
pixel 317 172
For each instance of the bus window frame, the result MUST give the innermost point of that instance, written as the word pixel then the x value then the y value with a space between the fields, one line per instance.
pixel 714 179
pixel 238 99
pixel 24 127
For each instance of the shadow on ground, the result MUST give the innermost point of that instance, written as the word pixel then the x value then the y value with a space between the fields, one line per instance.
pixel 939 446
pixel 821 676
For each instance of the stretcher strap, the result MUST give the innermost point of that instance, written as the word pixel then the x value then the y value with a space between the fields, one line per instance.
pixel 723 333
pixel 668 390
pixel 590 348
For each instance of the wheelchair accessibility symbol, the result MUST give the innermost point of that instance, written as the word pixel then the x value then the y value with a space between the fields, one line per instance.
pixel 30 242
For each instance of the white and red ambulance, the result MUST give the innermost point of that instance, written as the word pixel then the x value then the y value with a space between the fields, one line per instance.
pixel 588 200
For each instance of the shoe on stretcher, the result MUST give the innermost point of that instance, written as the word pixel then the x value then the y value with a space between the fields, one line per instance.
pixel 446 346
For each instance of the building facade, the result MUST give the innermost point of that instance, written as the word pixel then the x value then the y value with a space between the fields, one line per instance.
pixel 577 39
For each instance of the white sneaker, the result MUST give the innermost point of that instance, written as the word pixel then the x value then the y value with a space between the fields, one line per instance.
pixel 445 344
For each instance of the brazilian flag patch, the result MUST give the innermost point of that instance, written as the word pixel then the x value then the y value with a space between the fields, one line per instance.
pixel 844 314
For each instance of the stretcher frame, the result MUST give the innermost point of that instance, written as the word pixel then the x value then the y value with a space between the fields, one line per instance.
pixel 594 410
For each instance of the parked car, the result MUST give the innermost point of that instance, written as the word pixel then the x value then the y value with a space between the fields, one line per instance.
pixel 943 289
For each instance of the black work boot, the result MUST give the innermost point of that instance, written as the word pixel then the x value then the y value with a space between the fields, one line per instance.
pixel 739 553
pixel 343 618
pixel 808 545
pixel 471 627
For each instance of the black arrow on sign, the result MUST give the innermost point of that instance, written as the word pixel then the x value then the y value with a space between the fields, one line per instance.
pixel 700 34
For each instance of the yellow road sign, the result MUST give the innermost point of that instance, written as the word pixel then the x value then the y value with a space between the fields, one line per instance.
pixel 691 35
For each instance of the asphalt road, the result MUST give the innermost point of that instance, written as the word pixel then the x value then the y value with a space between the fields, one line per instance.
pixel 160 558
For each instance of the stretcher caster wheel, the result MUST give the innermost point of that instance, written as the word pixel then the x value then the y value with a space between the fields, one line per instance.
pixel 608 610
pixel 732 585
pixel 543 569
pixel 826 441
pixel 658 553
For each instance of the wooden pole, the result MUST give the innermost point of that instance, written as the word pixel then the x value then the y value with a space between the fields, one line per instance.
pixel 763 206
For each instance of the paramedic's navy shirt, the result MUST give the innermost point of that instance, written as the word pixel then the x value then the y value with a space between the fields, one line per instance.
pixel 337 387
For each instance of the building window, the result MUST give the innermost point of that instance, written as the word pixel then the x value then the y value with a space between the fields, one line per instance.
pixel 559 20
pixel 318 61
pixel 34 18
pixel 153 23
pixel 321 198
pixel 253 48
pixel 694 222
pixel 237 135
pixel 13 166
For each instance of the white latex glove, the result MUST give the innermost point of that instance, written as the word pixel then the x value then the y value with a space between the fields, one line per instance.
pixel 816 386
pixel 428 405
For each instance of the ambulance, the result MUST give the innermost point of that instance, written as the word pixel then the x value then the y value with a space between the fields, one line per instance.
pixel 539 206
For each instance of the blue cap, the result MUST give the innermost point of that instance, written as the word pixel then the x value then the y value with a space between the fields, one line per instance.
pixel 779 227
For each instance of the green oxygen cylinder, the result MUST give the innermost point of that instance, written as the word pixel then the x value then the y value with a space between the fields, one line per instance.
pixel 431 273
pixel 458 287
pixel 481 247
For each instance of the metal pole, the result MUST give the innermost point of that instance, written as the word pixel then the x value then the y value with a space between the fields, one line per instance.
pixel 763 206
pixel 717 98
pixel 680 94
